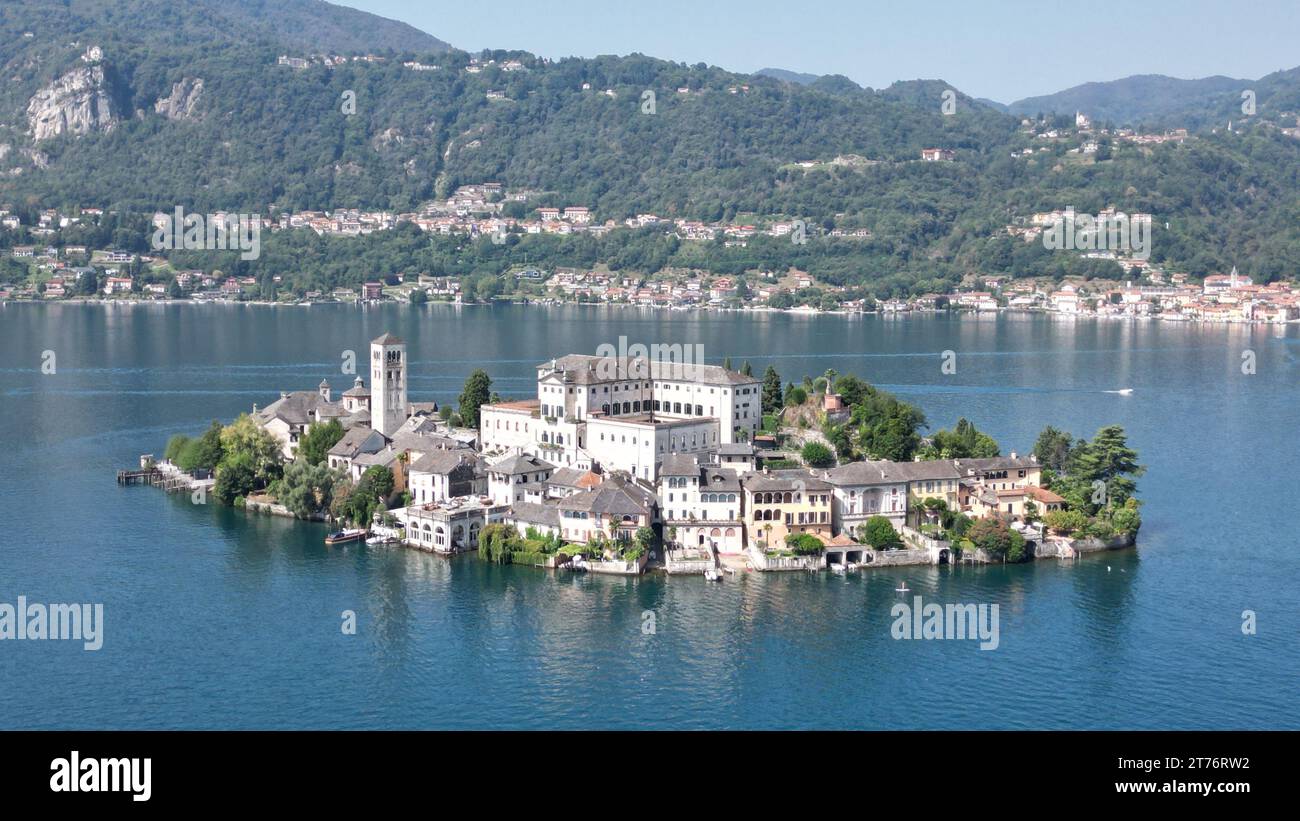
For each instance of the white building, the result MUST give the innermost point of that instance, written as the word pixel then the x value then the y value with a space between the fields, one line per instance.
pixel 637 444
pixel 860 490
pixel 700 505
pixel 518 478
pixel 625 399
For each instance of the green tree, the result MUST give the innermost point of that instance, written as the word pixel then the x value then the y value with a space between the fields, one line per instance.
pixel 644 538
pixel 771 390
pixel 204 453
pixel 991 535
pixel 307 488
pixel 1109 459
pixel 245 438
pixel 879 532
pixel 1052 448
pixel 314 446
pixel 804 544
pixel 236 476
pixel 477 392
pixel 175 446
pixel 87 283
pixel 817 455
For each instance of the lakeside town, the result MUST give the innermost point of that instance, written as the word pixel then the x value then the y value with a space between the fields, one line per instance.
pixel 47 269
pixel 646 458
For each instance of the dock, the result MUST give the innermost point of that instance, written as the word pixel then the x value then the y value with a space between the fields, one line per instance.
pixel 149 476
pixel 164 475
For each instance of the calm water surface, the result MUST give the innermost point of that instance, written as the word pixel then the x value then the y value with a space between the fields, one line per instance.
pixel 215 619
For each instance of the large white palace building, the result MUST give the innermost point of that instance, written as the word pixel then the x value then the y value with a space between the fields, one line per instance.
pixel 624 413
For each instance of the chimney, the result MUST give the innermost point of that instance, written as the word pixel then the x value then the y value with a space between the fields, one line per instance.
pixel 1013 454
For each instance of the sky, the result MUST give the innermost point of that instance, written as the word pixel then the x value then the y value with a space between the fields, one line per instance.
pixel 1003 50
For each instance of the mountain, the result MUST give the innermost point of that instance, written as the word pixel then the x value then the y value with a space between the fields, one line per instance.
pixel 788 76
pixel 128 106
pixel 299 24
pixel 1132 100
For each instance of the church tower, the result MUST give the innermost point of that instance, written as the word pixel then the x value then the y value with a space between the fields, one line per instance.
pixel 387 384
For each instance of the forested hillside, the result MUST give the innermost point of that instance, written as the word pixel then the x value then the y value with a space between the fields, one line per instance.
pixel 194 110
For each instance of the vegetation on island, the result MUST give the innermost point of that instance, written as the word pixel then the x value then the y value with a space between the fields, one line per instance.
pixel 1096 477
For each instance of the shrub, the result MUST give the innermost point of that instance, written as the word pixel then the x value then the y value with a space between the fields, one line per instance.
pixel 879 532
pixel 817 455
pixel 1065 522
pixel 992 536
pixel 803 544
pixel 1127 520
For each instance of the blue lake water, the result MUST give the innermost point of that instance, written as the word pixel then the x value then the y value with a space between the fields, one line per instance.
pixel 214 619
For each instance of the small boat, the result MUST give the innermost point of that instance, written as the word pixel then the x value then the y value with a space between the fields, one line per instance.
pixel 342 536
pixel 902 588
pixel 839 569
pixel 711 575
pixel 377 540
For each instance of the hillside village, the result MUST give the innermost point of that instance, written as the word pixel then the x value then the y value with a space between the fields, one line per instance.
pixel 56 271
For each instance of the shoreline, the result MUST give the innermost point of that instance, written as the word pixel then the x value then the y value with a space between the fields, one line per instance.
pixel 808 312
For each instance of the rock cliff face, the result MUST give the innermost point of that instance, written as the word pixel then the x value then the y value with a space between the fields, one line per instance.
pixel 183 102
pixel 76 103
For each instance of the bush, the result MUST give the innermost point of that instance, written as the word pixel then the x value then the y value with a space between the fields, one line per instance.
pixel 817 455
pixel 1127 520
pixel 526 557
pixel 993 537
pixel 1065 522
pixel 1099 529
pixel 1016 548
pixel 879 532
pixel 803 544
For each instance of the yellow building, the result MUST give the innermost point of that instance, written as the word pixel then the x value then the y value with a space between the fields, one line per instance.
pixel 778 503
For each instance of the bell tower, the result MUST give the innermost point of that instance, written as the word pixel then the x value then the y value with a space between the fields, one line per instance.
pixel 387 384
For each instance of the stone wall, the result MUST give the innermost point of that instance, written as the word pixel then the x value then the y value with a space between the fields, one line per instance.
pixel 895 558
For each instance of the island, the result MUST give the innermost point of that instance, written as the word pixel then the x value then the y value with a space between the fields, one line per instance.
pixel 646 458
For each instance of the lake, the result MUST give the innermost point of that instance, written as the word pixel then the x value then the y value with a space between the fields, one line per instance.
pixel 215 619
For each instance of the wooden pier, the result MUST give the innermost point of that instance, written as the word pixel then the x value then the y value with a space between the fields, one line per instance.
pixel 148 476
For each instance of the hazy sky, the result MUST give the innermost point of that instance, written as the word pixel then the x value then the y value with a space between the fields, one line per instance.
pixel 1001 50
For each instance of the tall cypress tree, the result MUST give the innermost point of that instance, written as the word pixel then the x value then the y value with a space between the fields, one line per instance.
pixel 771 390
